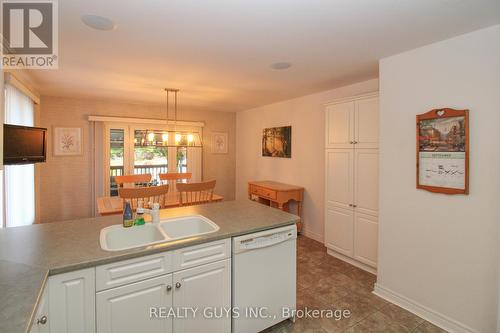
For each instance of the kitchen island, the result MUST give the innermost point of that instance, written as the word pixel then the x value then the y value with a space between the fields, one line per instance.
pixel 30 255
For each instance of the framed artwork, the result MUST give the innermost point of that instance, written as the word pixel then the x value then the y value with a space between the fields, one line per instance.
pixel 219 142
pixel 277 142
pixel 67 141
pixel 443 151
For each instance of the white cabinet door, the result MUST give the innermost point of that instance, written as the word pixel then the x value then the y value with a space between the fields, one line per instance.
pixel 367 123
pixel 366 181
pixel 41 322
pixel 339 177
pixel 72 302
pixel 339 230
pixel 127 309
pixel 340 125
pixel 203 287
pixel 366 238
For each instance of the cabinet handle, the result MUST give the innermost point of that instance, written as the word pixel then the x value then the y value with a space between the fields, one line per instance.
pixel 42 320
pixel 355 142
pixel 355 206
pixel 178 285
pixel 351 142
pixel 169 287
pixel 351 205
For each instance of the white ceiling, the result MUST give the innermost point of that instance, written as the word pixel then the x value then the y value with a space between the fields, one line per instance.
pixel 219 52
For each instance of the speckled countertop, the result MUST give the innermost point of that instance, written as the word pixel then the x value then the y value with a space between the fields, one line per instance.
pixel 28 255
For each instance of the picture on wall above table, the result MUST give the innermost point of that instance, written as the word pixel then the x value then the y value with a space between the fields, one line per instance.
pixel 219 142
pixel 67 141
pixel 277 142
pixel 443 151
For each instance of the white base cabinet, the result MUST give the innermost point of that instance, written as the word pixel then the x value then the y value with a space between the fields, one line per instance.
pixel 127 309
pixel 72 302
pixel 206 288
pixel 41 323
pixel 145 294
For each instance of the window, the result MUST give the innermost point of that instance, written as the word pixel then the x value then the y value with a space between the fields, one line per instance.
pixel 182 159
pixel 116 155
pixel 142 149
pixel 150 154
pixel 18 180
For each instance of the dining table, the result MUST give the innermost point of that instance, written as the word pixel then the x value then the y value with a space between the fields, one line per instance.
pixel 111 205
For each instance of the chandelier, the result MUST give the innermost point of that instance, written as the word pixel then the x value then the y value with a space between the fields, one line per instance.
pixel 168 138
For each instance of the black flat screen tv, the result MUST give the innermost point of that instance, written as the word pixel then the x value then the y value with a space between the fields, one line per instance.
pixel 24 145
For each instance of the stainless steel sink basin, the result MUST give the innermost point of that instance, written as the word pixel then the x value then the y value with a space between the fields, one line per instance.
pixel 187 226
pixel 117 238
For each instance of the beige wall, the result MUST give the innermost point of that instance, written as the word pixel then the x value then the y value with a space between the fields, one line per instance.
pixel 66 182
pixel 438 253
pixel 306 115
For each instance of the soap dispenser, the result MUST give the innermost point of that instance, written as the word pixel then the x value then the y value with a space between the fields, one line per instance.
pixel 128 219
pixel 139 216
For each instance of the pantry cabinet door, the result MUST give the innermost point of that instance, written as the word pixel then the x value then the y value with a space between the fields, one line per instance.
pixel 339 230
pixel 203 287
pixel 339 177
pixel 340 125
pixel 72 302
pixel 366 239
pixel 367 123
pixel 134 307
pixel 366 181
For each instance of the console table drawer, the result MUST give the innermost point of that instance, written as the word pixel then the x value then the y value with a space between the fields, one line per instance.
pixel 263 192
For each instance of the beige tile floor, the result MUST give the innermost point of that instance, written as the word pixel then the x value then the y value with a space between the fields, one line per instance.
pixel 324 282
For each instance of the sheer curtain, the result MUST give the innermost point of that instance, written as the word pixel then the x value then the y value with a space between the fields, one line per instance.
pixel 19 180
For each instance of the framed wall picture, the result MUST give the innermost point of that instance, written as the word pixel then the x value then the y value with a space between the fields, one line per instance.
pixel 219 143
pixel 443 151
pixel 67 141
pixel 277 142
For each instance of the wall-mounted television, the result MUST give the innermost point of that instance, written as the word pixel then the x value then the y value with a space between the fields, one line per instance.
pixel 24 145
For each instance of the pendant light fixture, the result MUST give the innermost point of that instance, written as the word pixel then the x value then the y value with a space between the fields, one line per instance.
pixel 169 138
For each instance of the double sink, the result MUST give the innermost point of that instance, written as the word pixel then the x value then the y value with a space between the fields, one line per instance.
pixel 118 238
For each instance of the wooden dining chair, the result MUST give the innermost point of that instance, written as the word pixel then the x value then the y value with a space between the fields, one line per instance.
pixel 172 178
pixel 154 194
pixel 132 179
pixel 196 193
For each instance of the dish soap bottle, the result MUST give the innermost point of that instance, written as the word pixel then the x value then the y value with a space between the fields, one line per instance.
pixel 139 216
pixel 128 219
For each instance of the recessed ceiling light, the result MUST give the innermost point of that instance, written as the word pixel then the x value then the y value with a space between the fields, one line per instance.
pixel 98 22
pixel 281 65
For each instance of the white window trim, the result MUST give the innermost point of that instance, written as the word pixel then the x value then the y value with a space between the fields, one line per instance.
pixel 11 79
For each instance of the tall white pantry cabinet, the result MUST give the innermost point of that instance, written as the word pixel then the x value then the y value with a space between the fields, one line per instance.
pixel 351 208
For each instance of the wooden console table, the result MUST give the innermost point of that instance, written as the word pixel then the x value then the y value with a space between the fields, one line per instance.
pixel 277 195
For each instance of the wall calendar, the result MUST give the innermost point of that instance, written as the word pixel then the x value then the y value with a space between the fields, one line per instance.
pixel 443 151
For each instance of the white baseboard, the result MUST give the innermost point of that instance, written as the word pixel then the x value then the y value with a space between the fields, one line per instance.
pixel 422 311
pixel 312 235
pixel 351 261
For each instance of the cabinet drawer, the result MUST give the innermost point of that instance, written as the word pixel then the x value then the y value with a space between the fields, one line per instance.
pixel 263 192
pixel 132 270
pixel 202 254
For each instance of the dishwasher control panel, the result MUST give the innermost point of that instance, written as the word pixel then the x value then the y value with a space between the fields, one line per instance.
pixel 263 239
